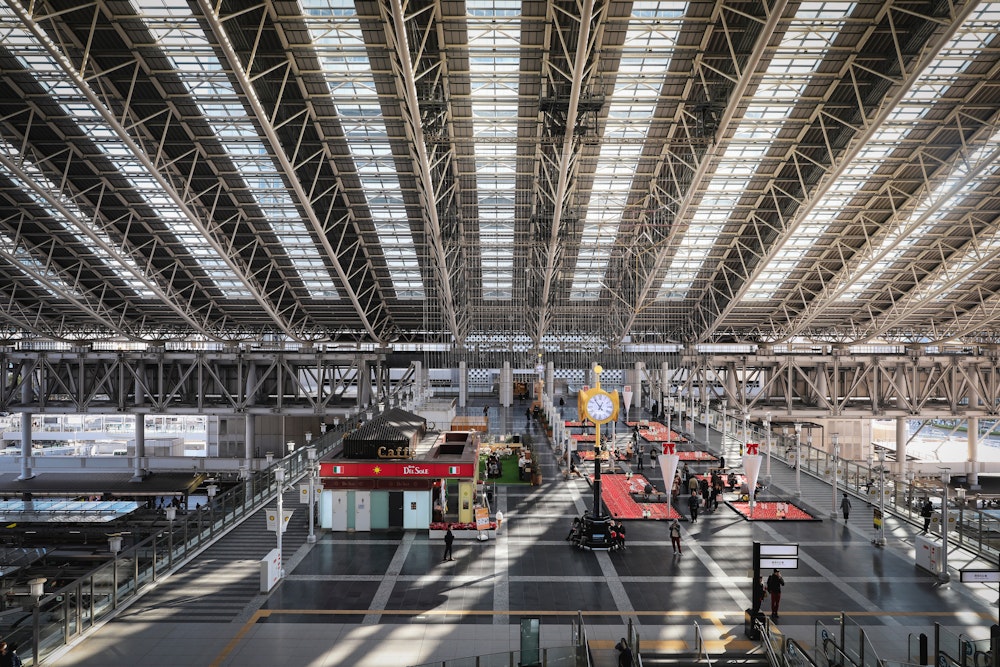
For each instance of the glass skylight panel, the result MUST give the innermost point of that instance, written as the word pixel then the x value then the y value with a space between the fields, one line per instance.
pixel 49 75
pixel 649 42
pixel 193 58
pixel 801 51
pixel 23 257
pixel 932 209
pixel 932 84
pixel 336 32
pixel 113 263
pixel 493 30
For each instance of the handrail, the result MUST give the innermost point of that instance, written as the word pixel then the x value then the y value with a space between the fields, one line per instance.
pixel 793 648
pixel 583 645
pixel 830 648
pixel 700 646
pixel 974 531
pixel 78 608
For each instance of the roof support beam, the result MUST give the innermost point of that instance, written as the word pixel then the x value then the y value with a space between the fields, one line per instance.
pixel 713 311
pixel 864 263
pixel 586 29
pixel 647 284
pixel 83 84
pixel 277 149
pixel 430 196
pixel 173 299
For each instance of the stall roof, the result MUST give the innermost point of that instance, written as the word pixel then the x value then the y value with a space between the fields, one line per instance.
pixel 92 484
pixel 394 423
pixel 65 511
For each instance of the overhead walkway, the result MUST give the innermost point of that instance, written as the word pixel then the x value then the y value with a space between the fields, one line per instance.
pixel 385 598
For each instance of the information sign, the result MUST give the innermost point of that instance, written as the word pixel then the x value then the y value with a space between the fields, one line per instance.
pixel 779 563
pixel 482 518
pixel 779 550
pixel 979 576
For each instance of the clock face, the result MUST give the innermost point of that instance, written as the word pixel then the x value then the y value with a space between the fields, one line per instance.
pixel 600 407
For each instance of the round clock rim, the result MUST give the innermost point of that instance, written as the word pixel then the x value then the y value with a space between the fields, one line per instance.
pixel 592 397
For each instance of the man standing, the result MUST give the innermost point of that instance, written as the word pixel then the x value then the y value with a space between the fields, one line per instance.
pixel 926 511
pixel 449 539
pixel 675 536
pixel 774 584
pixel 845 507
pixel 693 502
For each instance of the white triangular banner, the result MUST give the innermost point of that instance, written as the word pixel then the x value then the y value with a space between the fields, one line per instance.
pixel 668 466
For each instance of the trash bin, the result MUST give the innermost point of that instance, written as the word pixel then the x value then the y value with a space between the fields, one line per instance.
pixel 750 623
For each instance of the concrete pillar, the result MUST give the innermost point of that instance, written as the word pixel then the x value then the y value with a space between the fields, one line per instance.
pixel 140 447
pixel 664 385
pixel 26 429
pixel 463 383
pixel 550 380
pixel 973 440
pixel 364 384
pixel 26 446
pixel 637 387
pixel 506 385
pixel 250 446
pixel 901 444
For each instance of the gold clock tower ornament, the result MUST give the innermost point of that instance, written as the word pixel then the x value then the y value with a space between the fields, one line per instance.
pixel 597 405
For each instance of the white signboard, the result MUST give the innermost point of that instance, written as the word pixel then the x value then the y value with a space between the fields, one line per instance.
pixel 779 550
pixel 779 563
pixel 272 519
pixel 980 576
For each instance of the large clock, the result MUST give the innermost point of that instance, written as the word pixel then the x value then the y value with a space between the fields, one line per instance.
pixel 600 407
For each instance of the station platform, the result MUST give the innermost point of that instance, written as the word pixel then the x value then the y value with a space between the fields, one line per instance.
pixel 386 598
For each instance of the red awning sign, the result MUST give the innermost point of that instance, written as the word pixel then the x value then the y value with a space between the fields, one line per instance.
pixel 395 469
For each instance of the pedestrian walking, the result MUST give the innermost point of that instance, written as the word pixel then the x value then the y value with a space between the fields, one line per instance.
pixel 675 536
pixel 926 511
pixel 694 500
pixel 449 539
pixel 639 453
pixel 774 584
pixel 845 507
pixel 759 593
pixel 9 657
pixel 624 653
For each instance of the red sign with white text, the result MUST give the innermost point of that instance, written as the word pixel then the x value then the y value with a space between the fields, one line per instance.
pixel 368 469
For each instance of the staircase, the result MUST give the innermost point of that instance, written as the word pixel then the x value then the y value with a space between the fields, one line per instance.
pixel 220 582
pixel 817 495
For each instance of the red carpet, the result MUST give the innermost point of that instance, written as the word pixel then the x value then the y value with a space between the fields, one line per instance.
pixel 698 456
pixel 768 510
pixel 583 437
pixel 616 493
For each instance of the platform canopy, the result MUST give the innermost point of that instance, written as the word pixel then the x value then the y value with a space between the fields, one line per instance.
pixel 65 511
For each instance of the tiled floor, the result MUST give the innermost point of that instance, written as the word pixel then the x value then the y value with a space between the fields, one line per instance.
pixel 387 599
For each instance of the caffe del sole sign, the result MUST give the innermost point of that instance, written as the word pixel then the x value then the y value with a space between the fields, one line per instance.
pixel 394 469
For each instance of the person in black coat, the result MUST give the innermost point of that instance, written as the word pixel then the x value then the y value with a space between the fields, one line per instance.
pixel 694 501
pixel 774 584
pixel 926 511
pixel 449 539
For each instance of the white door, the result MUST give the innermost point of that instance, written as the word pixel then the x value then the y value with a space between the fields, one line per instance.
pixel 363 511
pixel 416 510
pixel 339 511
